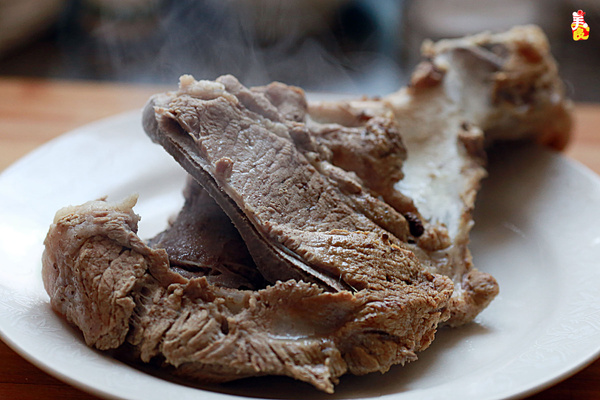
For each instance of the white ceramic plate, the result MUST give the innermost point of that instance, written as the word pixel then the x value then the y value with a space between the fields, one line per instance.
pixel 536 231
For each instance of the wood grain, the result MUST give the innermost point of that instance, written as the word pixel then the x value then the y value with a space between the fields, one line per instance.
pixel 33 112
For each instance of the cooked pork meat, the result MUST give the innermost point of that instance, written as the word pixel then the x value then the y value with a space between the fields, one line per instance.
pixel 242 150
pixel 377 305
pixel 316 239
pixel 505 86
pixel 104 279
pixel 371 147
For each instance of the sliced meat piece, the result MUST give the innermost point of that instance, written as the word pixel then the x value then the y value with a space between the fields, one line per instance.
pixel 202 241
pixel 115 288
pixel 243 151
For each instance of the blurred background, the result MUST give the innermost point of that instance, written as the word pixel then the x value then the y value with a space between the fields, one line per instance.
pixel 346 46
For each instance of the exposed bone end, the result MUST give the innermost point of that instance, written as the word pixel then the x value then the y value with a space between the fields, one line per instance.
pixel 506 83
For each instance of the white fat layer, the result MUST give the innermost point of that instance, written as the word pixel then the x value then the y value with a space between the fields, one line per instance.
pixel 125 206
pixel 205 90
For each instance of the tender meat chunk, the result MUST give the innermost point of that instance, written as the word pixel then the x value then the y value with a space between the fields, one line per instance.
pixel 91 263
pixel 372 148
pixel 268 187
pixel 114 288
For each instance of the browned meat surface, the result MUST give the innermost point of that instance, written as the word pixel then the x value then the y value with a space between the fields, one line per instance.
pixel 114 288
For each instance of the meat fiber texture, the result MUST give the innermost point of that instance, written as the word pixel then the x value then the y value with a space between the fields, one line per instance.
pixel 343 292
pixel 115 288
pixel 315 240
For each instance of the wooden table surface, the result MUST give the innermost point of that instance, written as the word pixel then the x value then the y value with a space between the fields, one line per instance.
pixel 35 111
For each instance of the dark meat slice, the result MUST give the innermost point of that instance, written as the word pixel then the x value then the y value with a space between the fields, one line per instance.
pixel 202 241
pixel 115 288
pixel 243 151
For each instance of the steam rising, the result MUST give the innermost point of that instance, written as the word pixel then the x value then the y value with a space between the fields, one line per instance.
pixel 305 43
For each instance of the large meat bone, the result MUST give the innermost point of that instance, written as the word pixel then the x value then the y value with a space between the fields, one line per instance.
pixel 441 176
pixel 105 280
pixel 507 86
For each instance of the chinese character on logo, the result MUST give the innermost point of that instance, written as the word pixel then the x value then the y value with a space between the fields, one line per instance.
pixel 581 30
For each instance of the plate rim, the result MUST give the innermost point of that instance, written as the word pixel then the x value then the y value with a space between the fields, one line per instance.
pixel 125 117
